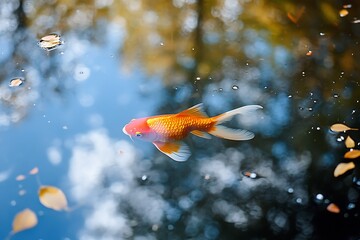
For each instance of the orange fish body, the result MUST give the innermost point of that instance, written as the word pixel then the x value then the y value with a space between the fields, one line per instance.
pixel 167 131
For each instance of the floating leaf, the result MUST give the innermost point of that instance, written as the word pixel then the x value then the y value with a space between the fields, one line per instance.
pixel 24 220
pixel 15 82
pixel 34 171
pixel 50 42
pixel 349 142
pixel 298 15
pixel 20 177
pixel 352 154
pixel 342 168
pixel 53 197
pixel 339 127
pixel 343 12
pixel 332 207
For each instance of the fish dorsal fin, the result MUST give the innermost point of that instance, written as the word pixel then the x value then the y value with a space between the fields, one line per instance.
pixel 196 110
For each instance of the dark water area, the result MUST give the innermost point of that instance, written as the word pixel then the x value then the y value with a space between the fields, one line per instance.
pixel 61 121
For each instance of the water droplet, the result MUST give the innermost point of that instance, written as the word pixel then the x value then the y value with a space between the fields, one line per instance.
pixel 351 206
pixel 162 44
pixel 207 177
pixel 298 200
pixel 144 177
pixel 290 96
pixel 310 109
pixel 65 127
pixel 155 227
pixel 356 182
pixel 290 190
pixel 220 89
pixel 318 128
pixel 319 197
pixel 336 95
pixel 235 87
pixel 322 34
pixel 15 82
pixel 198 78
pixel 13 203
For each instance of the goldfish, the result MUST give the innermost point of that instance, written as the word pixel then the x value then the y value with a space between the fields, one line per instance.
pixel 168 131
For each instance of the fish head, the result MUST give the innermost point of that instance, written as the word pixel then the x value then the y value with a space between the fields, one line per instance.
pixel 139 129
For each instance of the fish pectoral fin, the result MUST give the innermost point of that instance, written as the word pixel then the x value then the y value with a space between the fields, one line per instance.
pixel 178 151
pixel 201 134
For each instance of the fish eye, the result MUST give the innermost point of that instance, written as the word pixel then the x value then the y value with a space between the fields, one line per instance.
pixel 138 134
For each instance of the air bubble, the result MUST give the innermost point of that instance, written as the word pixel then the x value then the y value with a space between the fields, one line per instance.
pixel 319 197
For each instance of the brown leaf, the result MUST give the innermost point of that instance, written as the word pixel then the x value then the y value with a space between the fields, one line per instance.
pixel 20 177
pixel 298 15
pixel 349 142
pixel 339 127
pixel 34 171
pixel 24 220
pixel 53 197
pixel 342 168
pixel 343 12
pixel 332 207
pixel 352 154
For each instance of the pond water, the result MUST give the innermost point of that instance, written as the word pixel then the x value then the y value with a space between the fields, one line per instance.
pixel 65 97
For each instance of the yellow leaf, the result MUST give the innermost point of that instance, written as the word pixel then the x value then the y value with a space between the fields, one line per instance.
pixel 342 168
pixel 343 12
pixel 332 207
pixel 34 171
pixel 52 197
pixel 339 127
pixel 349 142
pixel 352 154
pixel 24 220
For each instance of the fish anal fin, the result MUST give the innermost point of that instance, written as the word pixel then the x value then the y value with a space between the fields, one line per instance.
pixel 177 150
pixel 201 134
pixel 231 134
pixel 196 111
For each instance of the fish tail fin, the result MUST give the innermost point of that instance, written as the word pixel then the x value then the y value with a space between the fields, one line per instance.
pixel 229 133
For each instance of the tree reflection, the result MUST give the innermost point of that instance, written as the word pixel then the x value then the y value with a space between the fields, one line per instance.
pixel 299 60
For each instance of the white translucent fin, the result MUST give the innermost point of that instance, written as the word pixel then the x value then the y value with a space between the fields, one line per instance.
pixel 231 134
pixel 241 110
pixel 178 151
pixel 201 134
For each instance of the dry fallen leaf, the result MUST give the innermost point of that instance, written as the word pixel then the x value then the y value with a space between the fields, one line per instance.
pixel 349 142
pixel 53 197
pixel 343 12
pixel 34 171
pixel 24 220
pixel 20 177
pixel 298 15
pixel 332 207
pixel 339 127
pixel 352 154
pixel 342 168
